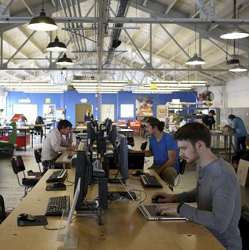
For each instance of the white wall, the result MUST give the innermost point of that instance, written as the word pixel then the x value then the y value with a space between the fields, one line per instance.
pixel 237 92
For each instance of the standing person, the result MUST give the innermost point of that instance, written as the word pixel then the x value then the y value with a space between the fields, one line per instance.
pixel 240 133
pixel 53 144
pixel 164 149
pixel 209 120
pixel 217 192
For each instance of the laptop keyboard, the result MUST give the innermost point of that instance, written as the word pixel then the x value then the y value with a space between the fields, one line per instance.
pixel 56 176
pixel 150 181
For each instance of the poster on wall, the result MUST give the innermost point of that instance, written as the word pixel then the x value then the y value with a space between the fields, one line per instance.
pixel 144 106
pixel 49 112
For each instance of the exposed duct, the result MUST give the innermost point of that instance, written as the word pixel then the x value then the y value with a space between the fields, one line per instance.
pixel 114 41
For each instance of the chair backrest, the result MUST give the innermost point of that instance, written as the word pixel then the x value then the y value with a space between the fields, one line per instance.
pixel 20 162
pixel 2 209
pixel 16 167
pixel 37 153
pixel 13 134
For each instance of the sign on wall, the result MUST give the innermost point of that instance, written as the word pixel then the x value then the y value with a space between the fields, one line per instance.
pixel 144 106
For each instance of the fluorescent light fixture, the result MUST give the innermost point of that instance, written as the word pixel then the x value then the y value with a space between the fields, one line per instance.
pixel 64 61
pixel 195 60
pixel 167 81
pixel 238 68
pixel 236 34
pixel 42 23
pixel 193 81
pixel 56 46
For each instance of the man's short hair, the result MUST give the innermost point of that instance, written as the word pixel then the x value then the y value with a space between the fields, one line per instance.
pixel 64 124
pixel 194 132
pixel 231 117
pixel 212 112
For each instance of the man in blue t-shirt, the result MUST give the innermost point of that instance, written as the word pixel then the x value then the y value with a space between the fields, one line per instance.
pixel 164 149
pixel 240 133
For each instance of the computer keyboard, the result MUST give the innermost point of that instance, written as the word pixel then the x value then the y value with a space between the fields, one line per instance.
pixel 150 181
pixel 57 176
pixel 58 205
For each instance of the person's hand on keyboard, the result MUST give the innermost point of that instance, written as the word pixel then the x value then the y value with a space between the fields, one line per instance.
pixel 162 197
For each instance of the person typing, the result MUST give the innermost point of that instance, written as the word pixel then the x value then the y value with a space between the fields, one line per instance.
pixel 53 144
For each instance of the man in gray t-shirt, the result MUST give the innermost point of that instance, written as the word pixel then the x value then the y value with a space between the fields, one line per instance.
pixel 217 192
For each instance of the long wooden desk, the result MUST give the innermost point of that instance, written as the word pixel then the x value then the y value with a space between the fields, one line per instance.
pixel 124 227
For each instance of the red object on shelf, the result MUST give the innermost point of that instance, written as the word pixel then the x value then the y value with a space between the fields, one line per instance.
pixel 20 140
pixel 18 117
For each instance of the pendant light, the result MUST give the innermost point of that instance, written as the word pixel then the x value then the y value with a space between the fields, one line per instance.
pixel 238 69
pixel 196 60
pixel 235 34
pixel 56 46
pixel 42 22
pixel 64 61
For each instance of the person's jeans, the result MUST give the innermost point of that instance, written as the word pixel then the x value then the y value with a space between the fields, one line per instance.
pixel 241 145
pixel 168 175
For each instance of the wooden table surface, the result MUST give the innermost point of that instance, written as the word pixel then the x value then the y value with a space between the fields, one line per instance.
pixel 124 227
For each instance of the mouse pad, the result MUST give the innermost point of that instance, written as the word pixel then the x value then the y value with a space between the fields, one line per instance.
pixel 40 221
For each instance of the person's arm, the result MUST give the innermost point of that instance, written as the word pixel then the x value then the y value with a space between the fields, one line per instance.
pixel 169 163
pixel 175 198
pixel 189 196
pixel 56 144
pixel 147 153
pixel 223 205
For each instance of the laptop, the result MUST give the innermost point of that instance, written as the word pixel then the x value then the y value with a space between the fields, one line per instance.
pixel 150 212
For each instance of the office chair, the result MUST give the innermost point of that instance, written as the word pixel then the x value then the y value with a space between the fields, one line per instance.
pixel 27 183
pixel 30 172
pixel 2 209
pixel 37 153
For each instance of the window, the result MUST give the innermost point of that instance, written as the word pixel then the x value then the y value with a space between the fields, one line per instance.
pixel 127 111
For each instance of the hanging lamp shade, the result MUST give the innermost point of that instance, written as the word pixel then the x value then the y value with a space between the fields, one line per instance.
pixel 42 23
pixel 235 34
pixel 238 69
pixel 195 60
pixel 64 61
pixel 56 46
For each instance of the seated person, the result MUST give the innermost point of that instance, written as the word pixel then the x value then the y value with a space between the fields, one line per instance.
pixel 67 140
pixel 164 149
pixel 217 192
pixel 52 144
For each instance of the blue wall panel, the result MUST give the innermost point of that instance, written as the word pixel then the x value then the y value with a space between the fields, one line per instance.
pixel 68 100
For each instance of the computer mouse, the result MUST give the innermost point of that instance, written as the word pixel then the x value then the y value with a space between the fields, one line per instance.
pixel 157 198
pixel 137 173
pixel 26 217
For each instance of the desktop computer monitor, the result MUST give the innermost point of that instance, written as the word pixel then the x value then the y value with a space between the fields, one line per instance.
pixel 122 156
pixel 83 173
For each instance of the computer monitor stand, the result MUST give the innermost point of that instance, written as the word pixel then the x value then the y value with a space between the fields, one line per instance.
pixel 91 208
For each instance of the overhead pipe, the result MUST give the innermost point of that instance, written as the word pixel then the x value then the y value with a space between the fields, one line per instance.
pixel 67 25
pixel 122 11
